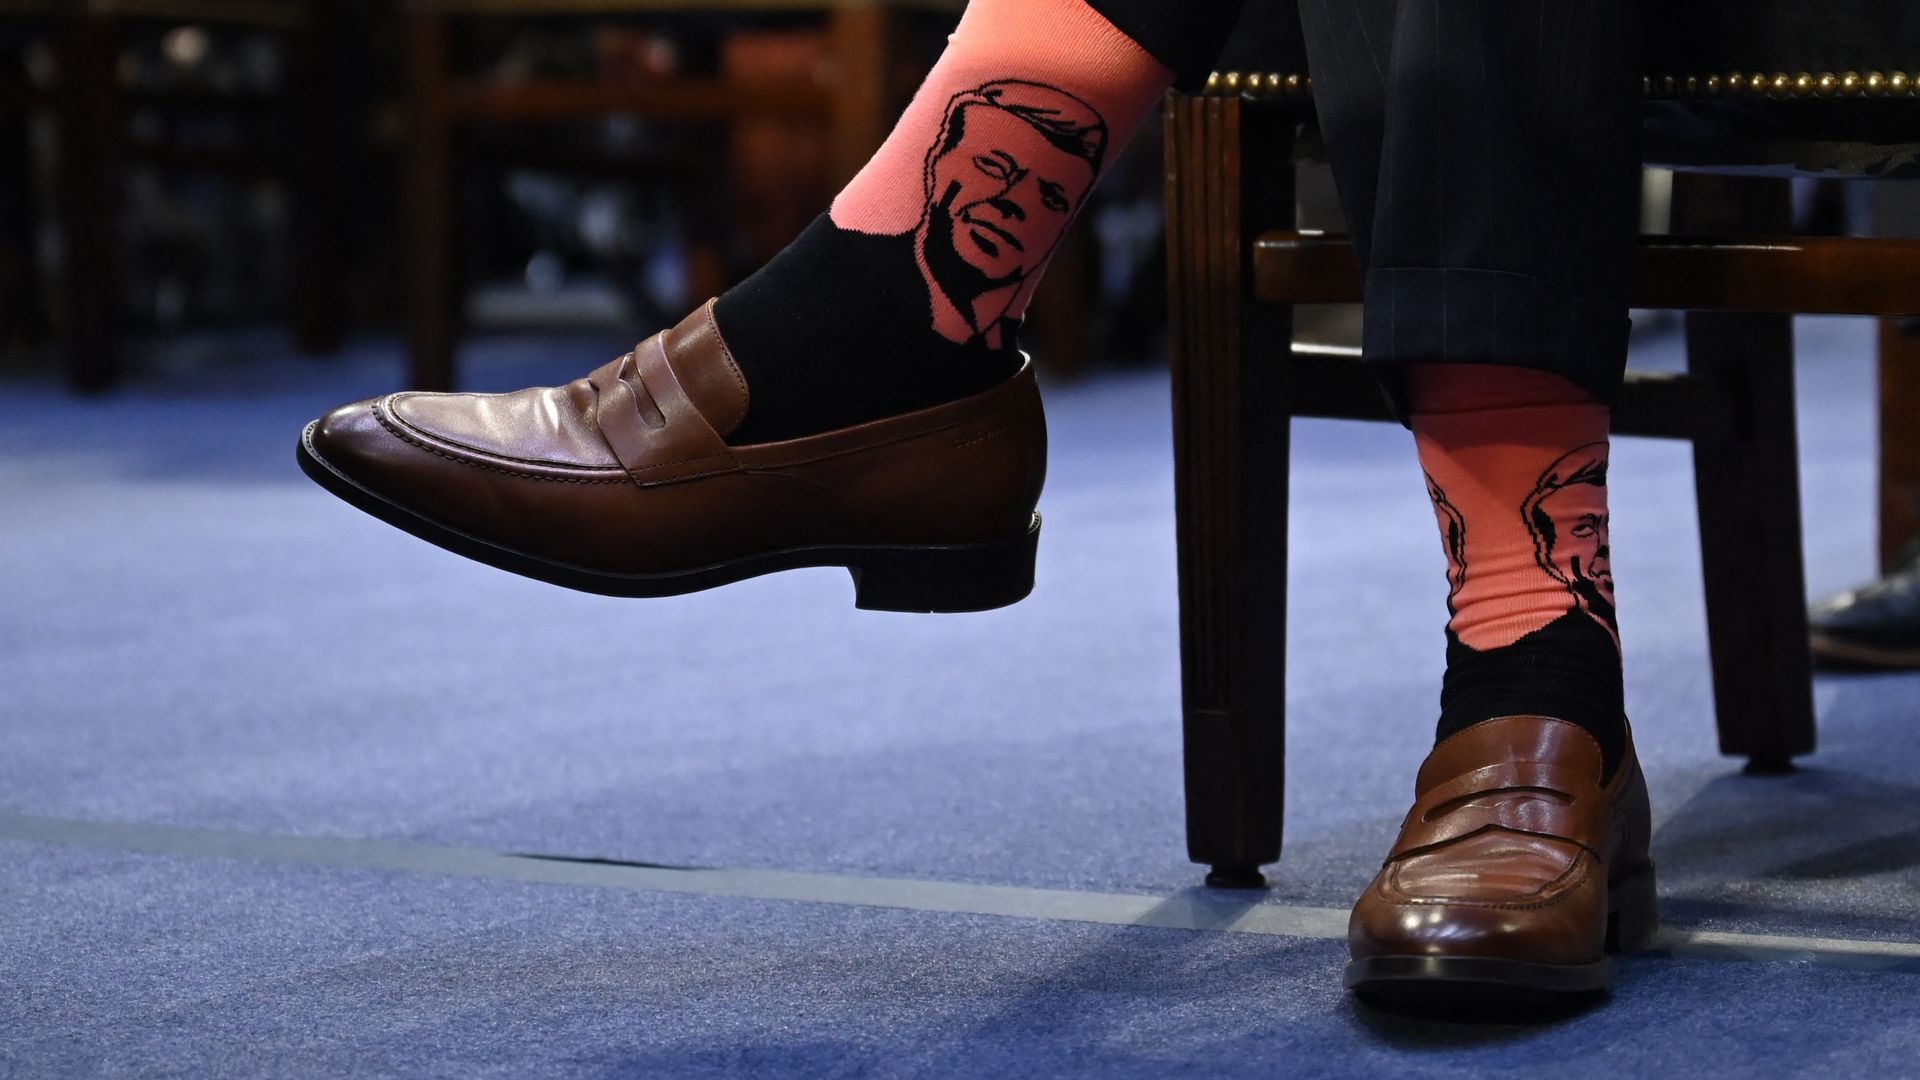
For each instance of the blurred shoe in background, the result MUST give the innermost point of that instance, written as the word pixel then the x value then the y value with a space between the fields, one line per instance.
pixel 1874 626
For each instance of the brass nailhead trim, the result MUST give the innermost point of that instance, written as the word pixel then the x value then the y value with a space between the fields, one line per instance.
pixel 1779 85
pixel 1258 84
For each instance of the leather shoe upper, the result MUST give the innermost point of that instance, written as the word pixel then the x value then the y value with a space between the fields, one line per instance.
pixel 1508 850
pixel 627 470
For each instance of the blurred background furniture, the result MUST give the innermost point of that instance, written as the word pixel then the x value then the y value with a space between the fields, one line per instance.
pixel 339 166
pixel 659 60
pixel 241 89
pixel 1732 91
pixel 22 311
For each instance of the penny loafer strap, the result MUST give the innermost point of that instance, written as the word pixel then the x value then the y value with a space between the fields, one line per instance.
pixel 650 423
pixel 1525 797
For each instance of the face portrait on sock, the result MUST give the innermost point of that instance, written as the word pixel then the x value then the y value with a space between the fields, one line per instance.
pixel 1453 536
pixel 1011 166
pixel 1567 515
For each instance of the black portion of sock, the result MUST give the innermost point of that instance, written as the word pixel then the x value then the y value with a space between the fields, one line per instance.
pixel 838 330
pixel 1186 37
pixel 1568 669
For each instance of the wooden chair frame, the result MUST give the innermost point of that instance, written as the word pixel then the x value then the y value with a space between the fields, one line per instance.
pixel 1236 264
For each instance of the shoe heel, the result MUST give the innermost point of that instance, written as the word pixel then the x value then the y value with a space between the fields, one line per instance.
pixel 1633 911
pixel 946 577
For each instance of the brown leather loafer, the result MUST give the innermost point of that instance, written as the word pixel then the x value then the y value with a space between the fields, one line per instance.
pixel 622 483
pixel 1514 871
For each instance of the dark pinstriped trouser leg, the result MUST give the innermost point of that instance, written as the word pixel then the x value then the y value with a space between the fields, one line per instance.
pixel 1487 156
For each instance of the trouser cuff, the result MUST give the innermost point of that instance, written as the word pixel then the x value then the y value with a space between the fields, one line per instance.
pixel 1428 315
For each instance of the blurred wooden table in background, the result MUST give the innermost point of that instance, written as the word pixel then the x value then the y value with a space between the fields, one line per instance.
pixel 92 104
pixel 856 93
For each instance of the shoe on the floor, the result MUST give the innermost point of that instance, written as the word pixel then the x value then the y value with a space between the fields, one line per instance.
pixel 622 483
pixel 1514 875
pixel 1877 625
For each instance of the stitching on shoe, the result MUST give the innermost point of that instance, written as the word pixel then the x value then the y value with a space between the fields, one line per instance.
pixel 393 425
pixel 684 461
pixel 689 476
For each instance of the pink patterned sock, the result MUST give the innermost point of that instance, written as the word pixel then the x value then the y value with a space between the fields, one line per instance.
pixel 1516 466
pixel 910 291
pixel 999 149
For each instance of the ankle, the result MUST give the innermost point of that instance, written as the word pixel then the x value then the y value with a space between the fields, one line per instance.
pixel 826 338
pixel 1568 670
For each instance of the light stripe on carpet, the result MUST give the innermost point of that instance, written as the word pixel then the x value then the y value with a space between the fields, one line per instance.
pixel 1193 909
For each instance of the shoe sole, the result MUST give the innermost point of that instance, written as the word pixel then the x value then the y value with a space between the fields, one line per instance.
pixel 1850 654
pixel 1468 982
pixel 886 577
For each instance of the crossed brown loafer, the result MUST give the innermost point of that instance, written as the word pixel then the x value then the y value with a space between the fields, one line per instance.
pixel 622 482
pixel 1515 871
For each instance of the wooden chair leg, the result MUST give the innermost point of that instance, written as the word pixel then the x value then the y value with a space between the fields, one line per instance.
pixel 1899 439
pixel 433 291
pixel 1231 426
pixel 1748 490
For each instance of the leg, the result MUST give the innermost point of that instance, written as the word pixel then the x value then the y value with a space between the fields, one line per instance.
pixel 1494 204
pixel 859 402
pixel 1749 495
pixel 937 244
pixel 1487 156
pixel 1233 171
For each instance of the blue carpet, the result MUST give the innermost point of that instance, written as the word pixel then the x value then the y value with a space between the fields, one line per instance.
pixel 153 967
pixel 193 634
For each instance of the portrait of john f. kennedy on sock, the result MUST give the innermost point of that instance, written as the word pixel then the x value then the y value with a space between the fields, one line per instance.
pixel 1011 165
pixel 1566 513
pixel 1453 536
